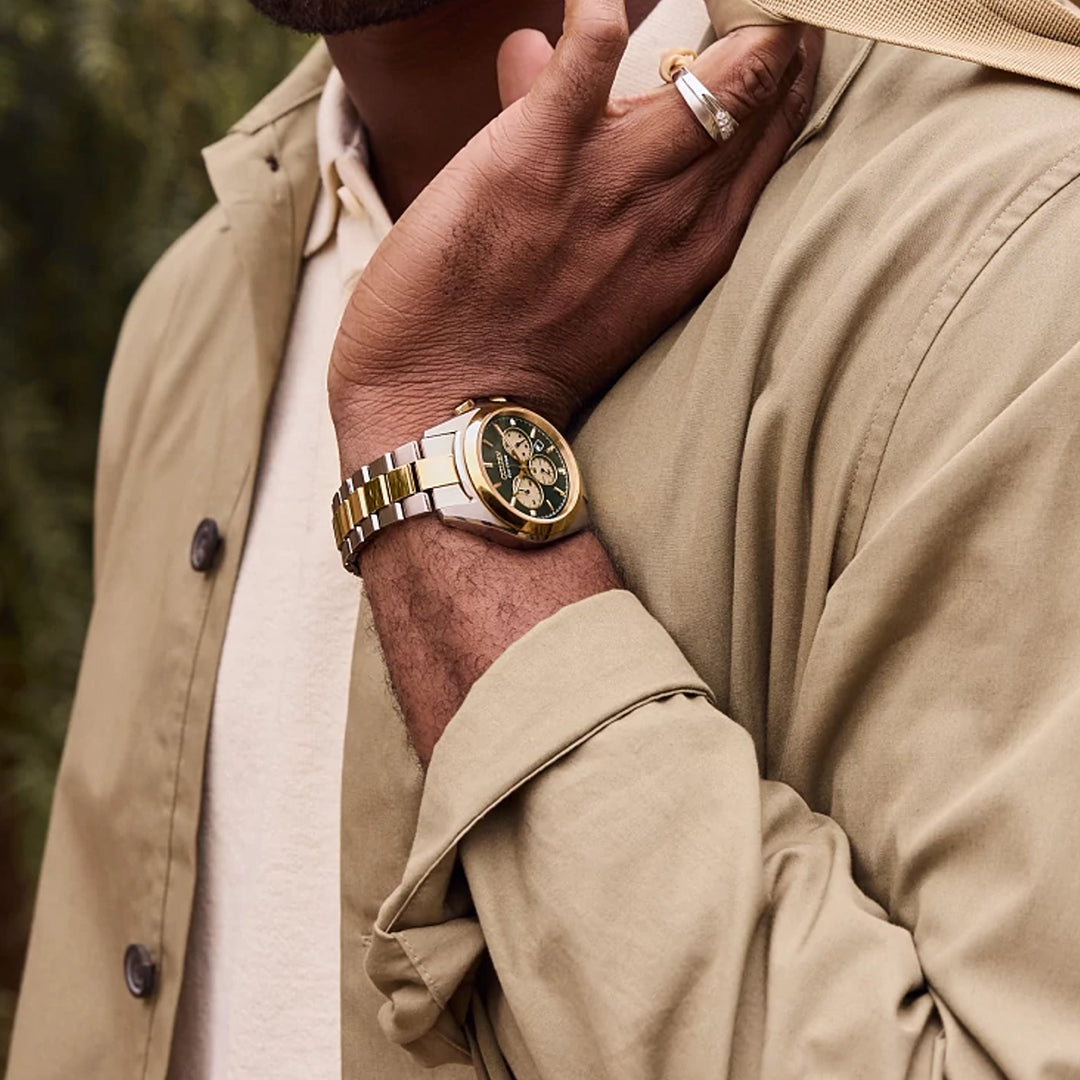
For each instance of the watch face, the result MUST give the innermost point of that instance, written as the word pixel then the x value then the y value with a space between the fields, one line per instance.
pixel 524 466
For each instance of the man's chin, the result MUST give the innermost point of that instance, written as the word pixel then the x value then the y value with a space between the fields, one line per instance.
pixel 340 16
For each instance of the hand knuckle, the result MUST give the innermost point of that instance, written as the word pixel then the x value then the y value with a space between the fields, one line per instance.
pixel 606 36
pixel 681 220
pixel 757 81
pixel 610 206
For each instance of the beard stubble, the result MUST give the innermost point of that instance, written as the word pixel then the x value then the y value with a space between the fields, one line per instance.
pixel 340 16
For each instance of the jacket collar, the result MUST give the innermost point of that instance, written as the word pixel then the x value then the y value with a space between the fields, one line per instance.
pixel 265 175
pixel 303 84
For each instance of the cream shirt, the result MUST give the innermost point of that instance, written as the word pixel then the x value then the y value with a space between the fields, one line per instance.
pixel 262 985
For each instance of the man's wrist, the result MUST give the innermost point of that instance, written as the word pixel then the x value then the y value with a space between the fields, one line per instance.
pixel 370 423
pixel 364 434
pixel 451 626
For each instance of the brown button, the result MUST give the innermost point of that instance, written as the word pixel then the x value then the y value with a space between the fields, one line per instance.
pixel 205 545
pixel 140 971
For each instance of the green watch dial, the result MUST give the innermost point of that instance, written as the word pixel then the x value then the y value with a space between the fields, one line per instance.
pixel 524 466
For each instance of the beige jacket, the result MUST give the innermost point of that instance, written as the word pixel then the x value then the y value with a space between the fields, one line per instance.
pixel 803 800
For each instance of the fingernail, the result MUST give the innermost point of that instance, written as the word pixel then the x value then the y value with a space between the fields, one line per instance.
pixel 798 62
pixel 797 107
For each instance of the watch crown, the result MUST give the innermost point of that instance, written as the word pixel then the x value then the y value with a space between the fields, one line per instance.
pixel 465 406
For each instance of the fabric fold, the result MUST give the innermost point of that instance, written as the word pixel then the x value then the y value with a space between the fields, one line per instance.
pixel 573 675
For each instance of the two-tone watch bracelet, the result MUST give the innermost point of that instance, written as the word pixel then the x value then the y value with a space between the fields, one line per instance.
pixel 417 478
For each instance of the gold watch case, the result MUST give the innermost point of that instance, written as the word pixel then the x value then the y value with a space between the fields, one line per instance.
pixel 489 512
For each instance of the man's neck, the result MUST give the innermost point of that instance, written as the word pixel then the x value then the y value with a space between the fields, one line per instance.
pixel 424 87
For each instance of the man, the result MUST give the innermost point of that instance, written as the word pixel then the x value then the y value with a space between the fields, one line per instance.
pixel 839 494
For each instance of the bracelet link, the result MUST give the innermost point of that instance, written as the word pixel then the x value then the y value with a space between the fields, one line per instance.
pixel 436 472
pixel 401 482
pixel 376 494
pixel 391 489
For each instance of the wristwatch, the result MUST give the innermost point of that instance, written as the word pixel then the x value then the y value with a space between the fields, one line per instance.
pixel 494 468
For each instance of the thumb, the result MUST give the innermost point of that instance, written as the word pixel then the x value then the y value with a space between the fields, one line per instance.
pixel 522 56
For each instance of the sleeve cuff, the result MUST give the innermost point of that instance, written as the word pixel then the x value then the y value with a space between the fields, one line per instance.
pixel 572 675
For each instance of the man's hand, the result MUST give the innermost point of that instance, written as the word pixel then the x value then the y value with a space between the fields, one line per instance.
pixel 538 264
pixel 566 235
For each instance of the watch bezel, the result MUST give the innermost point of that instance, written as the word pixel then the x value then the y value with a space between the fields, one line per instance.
pixel 536 530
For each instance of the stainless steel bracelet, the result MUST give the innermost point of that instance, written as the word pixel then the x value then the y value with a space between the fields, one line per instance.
pixel 415 479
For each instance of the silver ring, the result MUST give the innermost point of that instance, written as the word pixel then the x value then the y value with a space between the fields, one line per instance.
pixel 710 114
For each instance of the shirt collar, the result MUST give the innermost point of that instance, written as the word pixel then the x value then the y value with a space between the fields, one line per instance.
pixel 343 167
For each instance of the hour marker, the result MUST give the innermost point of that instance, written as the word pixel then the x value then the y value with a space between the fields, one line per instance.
pixel 489 464
pixel 561 492
pixel 547 502
pixel 513 422
pixel 532 433
pixel 562 472
pixel 533 512
pixel 550 449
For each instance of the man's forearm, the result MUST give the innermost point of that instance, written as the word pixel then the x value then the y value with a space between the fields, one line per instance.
pixel 516 304
pixel 447 604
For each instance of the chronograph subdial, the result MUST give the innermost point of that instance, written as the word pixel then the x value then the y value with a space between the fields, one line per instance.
pixel 522 467
pixel 542 470
pixel 528 492
pixel 517 444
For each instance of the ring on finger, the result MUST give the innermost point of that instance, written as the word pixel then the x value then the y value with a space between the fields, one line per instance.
pixel 712 116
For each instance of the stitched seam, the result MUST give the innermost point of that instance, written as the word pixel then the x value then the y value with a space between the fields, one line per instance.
pixel 994 255
pixel 432 988
pixel 924 322
pixel 429 980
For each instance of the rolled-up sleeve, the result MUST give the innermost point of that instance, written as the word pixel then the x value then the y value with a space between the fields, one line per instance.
pixel 576 673
pixel 635 894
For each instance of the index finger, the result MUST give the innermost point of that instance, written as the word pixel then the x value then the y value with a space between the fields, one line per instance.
pixel 581 72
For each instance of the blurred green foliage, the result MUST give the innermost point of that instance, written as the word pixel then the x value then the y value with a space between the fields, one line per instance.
pixel 104 106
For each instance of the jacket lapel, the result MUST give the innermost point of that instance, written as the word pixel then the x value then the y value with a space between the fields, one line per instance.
pixel 265 175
